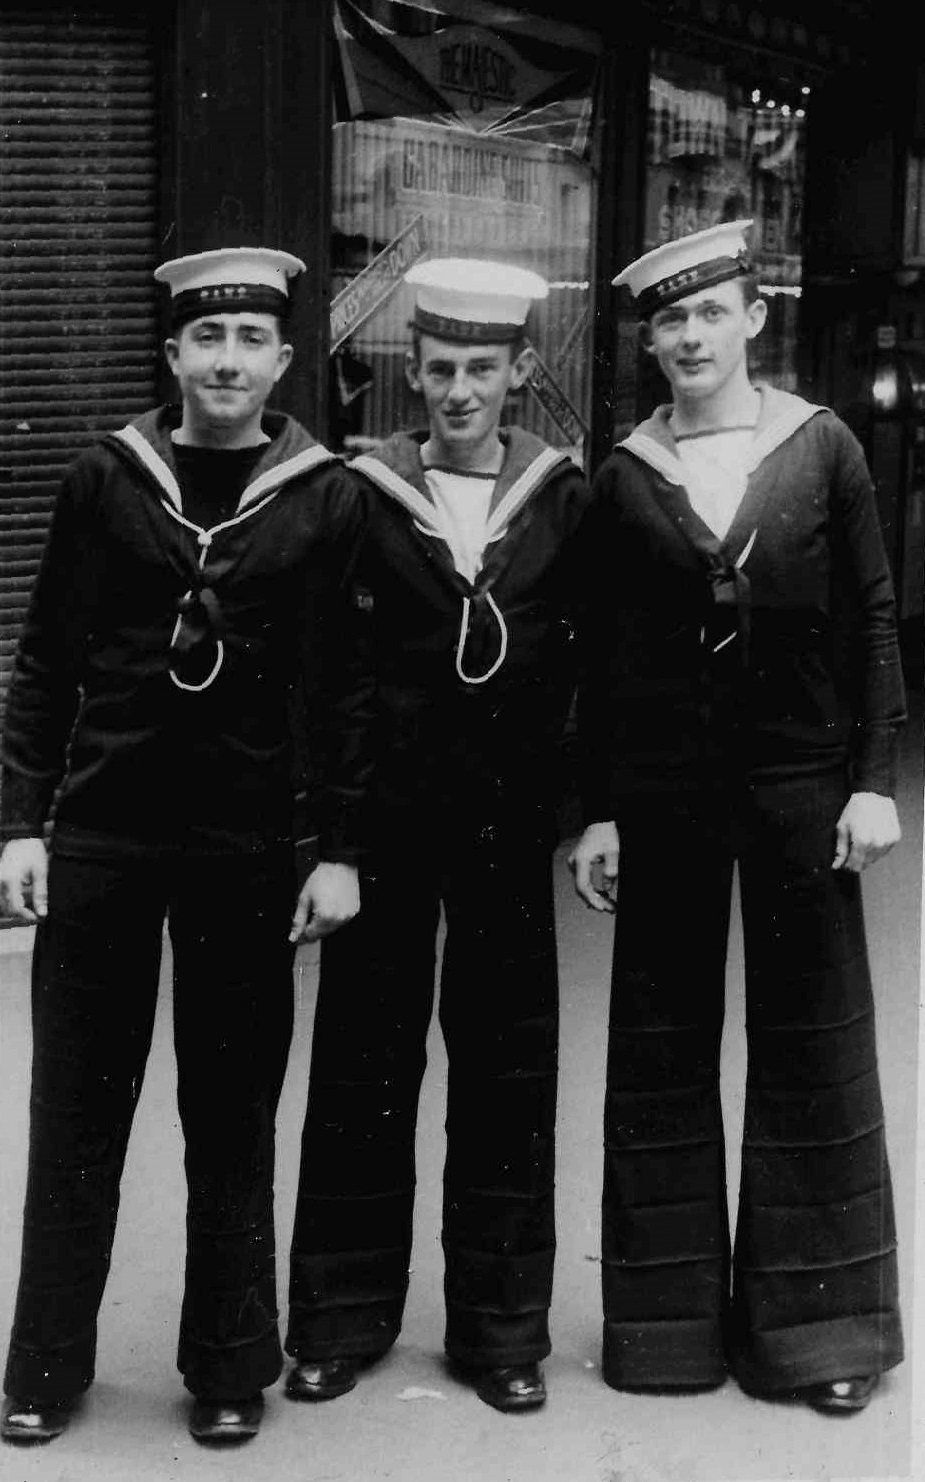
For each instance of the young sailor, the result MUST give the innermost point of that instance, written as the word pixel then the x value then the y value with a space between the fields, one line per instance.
pixel 740 701
pixel 472 576
pixel 193 575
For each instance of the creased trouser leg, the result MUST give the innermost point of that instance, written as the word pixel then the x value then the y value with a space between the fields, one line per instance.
pixel 351 1244
pixel 499 1013
pixel 94 989
pixel 665 1266
pixel 233 1005
pixel 815 1273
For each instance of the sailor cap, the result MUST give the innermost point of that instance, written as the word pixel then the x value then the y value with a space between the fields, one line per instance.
pixel 229 280
pixel 472 299
pixel 687 265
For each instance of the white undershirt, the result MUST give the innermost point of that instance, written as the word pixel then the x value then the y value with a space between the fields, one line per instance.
pixel 462 502
pixel 715 473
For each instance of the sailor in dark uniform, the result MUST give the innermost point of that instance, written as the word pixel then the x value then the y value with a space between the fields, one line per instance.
pixel 193 576
pixel 472 580
pixel 740 701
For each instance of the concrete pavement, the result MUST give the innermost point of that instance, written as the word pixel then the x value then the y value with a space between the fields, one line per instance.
pixel 408 1420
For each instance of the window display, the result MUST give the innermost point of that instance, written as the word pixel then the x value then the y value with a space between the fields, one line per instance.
pixel 458 135
pixel 723 146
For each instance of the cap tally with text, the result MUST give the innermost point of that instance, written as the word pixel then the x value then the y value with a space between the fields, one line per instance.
pixel 687 265
pixel 230 280
pixel 471 299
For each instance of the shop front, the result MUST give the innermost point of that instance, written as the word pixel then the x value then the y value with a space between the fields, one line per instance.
pixel 368 134
pixel 472 130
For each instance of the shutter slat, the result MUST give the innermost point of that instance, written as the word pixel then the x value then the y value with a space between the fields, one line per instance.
pixel 78 245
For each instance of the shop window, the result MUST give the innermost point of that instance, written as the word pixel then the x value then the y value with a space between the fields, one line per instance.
pixel 460 131
pixel 724 145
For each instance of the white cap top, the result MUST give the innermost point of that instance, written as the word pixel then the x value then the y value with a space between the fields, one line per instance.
pixel 472 298
pixel 260 266
pixel 688 264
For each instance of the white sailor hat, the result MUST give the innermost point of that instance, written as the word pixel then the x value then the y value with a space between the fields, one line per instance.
pixel 229 280
pixel 687 265
pixel 469 298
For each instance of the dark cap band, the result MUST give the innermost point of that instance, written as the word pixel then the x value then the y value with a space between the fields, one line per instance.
pixel 467 330
pixel 227 298
pixel 692 280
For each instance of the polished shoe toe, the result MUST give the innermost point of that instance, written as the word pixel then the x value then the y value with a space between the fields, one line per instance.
pixel 26 1424
pixel 841 1396
pixel 323 1380
pixel 226 1422
pixel 515 1387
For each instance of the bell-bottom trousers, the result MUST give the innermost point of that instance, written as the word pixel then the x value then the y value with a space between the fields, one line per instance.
pixel 499 1017
pixel 95 979
pixel 810 1294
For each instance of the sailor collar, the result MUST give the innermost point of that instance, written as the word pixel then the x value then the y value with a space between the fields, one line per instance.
pixel 399 472
pixel 780 416
pixel 263 487
pixel 397 469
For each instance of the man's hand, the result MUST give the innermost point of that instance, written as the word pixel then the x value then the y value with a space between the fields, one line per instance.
pixel 24 879
pixel 867 829
pixel 329 898
pixel 593 863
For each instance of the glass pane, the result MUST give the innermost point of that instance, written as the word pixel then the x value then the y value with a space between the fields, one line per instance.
pixel 723 145
pixel 458 138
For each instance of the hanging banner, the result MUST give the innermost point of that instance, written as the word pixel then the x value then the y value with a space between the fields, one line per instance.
pixel 481 76
pixel 370 289
pixel 476 77
pixel 554 401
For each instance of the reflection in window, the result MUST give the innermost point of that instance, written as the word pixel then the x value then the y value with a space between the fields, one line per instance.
pixel 721 147
pixel 457 135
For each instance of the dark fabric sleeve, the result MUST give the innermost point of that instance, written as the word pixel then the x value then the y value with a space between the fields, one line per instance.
pixel 338 680
pixel 865 591
pixel 574 554
pixel 44 691
pixel 595 619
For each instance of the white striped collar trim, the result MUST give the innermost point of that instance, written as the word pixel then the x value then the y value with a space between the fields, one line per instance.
pixel 427 517
pixel 521 490
pixel 272 479
pixel 299 463
pixel 392 483
pixel 152 461
pixel 656 455
pixel 785 424
pixel 428 514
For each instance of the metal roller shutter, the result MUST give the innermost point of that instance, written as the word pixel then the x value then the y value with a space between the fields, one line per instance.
pixel 78 242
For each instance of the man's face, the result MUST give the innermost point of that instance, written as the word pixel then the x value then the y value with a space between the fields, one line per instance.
pixel 226 366
pixel 464 386
pixel 700 341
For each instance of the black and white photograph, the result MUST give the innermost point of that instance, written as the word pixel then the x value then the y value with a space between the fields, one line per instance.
pixel 462 725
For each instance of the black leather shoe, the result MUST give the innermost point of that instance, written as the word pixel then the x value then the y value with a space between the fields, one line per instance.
pixel 324 1379
pixel 841 1396
pixel 28 1424
pixel 516 1387
pixel 226 1422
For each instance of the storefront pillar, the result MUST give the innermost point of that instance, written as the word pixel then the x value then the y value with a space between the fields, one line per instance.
pixel 246 121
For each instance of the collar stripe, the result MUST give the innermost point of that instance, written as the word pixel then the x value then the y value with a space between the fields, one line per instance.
pixel 261 489
pixel 522 489
pixel 429 518
pixel 152 461
pixel 399 488
pixel 649 450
